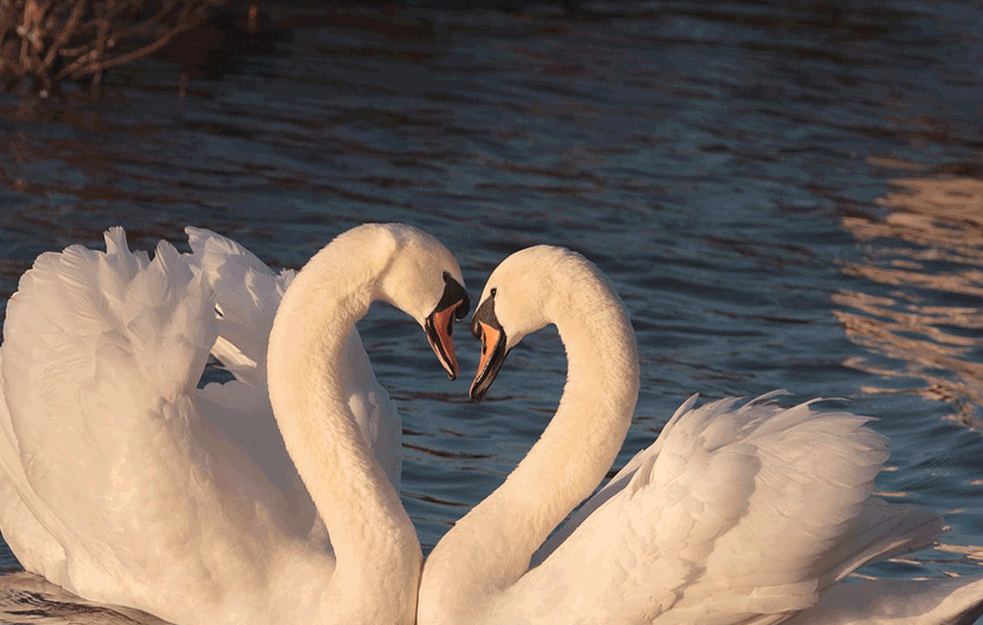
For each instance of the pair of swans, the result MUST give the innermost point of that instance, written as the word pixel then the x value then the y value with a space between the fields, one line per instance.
pixel 126 483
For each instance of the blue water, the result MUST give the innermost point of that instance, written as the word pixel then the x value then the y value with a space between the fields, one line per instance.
pixel 785 197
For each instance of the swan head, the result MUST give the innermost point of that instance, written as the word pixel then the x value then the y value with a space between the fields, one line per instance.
pixel 519 298
pixel 423 279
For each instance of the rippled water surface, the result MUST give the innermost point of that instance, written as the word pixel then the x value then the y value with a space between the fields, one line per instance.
pixel 785 197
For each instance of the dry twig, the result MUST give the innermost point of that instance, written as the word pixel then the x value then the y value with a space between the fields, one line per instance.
pixel 47 41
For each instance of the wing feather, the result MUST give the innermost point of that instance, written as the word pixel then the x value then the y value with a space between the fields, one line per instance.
pixel 101 358
pixel 247 296
pixel 735 514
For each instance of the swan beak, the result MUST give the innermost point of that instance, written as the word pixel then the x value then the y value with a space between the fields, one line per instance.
pixel 439 326
pixel 485 326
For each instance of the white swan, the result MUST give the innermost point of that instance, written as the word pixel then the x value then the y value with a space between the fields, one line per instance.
pixel 127 484
pixel 736 514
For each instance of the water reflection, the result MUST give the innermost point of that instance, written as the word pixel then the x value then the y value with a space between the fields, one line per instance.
pixel 927 252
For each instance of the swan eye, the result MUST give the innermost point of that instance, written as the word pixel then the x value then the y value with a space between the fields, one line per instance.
pixel 493 292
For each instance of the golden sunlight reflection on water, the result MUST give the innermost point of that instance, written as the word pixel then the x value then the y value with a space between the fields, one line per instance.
pixel 927 252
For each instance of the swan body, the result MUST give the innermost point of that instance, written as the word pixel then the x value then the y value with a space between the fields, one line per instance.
pixel 736 514
pixel 127 484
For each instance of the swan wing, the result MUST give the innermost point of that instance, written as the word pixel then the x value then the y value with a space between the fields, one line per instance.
pixel 114 457
pixel 247 296
pixel 614 486
pixel 736 514
pixel 35 547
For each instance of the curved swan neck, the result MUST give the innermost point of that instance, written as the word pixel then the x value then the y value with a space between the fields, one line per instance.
pixel 375 544
pixel 490 548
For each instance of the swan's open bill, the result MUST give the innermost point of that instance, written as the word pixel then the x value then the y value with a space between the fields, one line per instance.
pixel 439 326
pixel 269 499
pixel 485 327
pixel 737 514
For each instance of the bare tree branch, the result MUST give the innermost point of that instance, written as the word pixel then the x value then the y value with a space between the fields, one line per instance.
pixel 66 32
pixel 53 40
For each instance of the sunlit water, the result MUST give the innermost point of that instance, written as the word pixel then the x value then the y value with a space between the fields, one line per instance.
pixel 784 197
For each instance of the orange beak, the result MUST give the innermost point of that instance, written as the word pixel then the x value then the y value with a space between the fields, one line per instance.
pixel 485 326
pixel 440 333
pixel 439 326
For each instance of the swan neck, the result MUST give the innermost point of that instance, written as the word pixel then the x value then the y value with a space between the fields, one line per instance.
pixel 491 547
pixel 374 542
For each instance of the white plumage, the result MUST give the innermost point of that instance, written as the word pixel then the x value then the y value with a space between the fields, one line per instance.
pixel 126 484
pixel 738 513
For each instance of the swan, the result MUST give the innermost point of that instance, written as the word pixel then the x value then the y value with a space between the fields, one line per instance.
pixel 736 514
pixel 127 484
